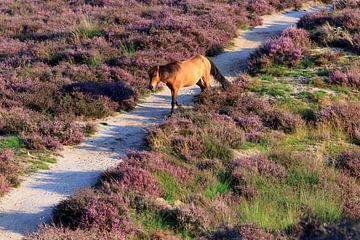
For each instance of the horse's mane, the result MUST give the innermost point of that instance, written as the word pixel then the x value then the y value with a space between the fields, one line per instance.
pixel 168 70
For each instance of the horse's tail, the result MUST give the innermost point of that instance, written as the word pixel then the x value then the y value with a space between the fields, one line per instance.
pixel 218 76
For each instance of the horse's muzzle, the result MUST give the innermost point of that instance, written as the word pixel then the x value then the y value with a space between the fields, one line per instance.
pixel 151 88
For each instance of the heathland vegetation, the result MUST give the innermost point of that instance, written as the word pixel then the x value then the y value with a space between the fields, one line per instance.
pixel 276 157
pixel 62 62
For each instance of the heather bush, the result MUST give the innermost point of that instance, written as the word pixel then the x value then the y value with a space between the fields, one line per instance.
pixel 287 49
pixel 312 228
pixel 313 20
pixel 284 121
pixel 338 28
pixel 61 233
pixel 131 178
pixel 349 161
pixel 192 218
pixel 154 162
pixel 69 212
pixel 245 232
pixel 345 116
pixel 342 4
pixel 9 170
pixel 350 77
pixel 260 164
pixel 108 214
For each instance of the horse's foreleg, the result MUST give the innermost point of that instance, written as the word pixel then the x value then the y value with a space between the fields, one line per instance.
pixel 174 102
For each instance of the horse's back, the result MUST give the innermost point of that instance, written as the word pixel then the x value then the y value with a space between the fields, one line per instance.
pixel 192 70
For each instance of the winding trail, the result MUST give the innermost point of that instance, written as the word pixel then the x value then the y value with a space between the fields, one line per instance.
pixel 31 204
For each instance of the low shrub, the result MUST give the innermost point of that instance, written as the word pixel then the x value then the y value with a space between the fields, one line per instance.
pixel 246 232
pixel 287 49
pixel 344 116
pixel 338 28
pixel 129 178
pixel 107 214
pixel 350 77
pixel 349 161
pixel 311 228
pixel 342 4
pixel 9 170
pixel 192 218
pixel 61 233
pixel 260 164
pixel 68 213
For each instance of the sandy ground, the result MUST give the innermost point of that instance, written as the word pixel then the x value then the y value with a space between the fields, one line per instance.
pixel 24 208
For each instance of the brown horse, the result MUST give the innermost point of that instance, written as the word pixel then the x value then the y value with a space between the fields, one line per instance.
pixel 176 75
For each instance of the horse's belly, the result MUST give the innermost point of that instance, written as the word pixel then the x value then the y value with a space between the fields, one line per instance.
pixel 191 79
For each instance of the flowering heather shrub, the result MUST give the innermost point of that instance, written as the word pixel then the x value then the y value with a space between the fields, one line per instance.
pixel 260 164
pixel 192 218
pixel 4 185
pixel 61 233
pixel 315 19
pixel 194 135
pixel 334 28
pixel 131 178
pixel 118 92
pixel 224 130
pixel 342 4
pixel 8 171
pixel 107 215
pixel 311 228
pixel 349 19
pixel 284 121
pixel 356 43
pixel 68 213
pixel 244 232
pixel 300 36
pixel 287 49
pixel 261 7
pixel 52 135
pixel 189 147
pixel 349 161
pixel 345 116
pixel 155 161
pixel 352 208
pixel 350 78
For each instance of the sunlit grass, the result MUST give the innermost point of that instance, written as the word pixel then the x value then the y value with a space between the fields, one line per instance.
pixel 280 205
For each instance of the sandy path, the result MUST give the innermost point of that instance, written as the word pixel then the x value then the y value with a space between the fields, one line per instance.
pixel 31 204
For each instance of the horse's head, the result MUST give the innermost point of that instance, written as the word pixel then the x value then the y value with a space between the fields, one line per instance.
pixel 154 77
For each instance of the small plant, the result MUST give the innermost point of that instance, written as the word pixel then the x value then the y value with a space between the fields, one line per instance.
pixel 127 49
pixel 87 28
pixel 349 161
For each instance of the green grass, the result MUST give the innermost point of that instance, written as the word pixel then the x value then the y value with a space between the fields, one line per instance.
pixel 152 221
pixel 127 48
pixel 95 62
pixel 171 188
pixel 267 78
pixel 303 73
pixel 215 150
pixel 12 142
pixel 87 28
pixel 275 70
pixel 40 161
pixel 301 177
pixel 219 188
pixel 280 205
pixel 275 90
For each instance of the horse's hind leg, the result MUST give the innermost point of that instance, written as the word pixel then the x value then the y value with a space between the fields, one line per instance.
pixel 201 84
pixel 207 80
